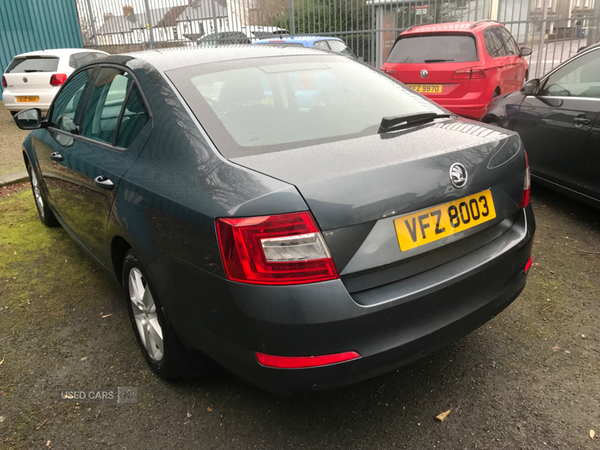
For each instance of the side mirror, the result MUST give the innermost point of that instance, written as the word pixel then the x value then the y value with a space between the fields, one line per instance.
pixel 525 51
pixel 29 119
pixel 531 87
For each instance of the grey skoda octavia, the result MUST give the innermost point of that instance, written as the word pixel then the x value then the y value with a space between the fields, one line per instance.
pixel 293 215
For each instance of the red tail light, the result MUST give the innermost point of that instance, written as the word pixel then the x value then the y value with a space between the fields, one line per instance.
pixel 470 73
pixel 57 79
pixel 526 185
pixel 282 249
pixel 4 83
pixel 298 362
pixel 390 72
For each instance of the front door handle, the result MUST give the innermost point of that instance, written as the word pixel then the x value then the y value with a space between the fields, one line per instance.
pixel 104 182
pixel 55 156
pixel 581 121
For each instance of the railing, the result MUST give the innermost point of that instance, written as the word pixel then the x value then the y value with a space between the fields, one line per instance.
pixel 369 27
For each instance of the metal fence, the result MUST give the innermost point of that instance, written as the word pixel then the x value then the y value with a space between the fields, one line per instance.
pixel 553 29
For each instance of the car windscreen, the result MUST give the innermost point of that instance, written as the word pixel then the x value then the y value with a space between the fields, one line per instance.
pixel 262 105
pixel 33 64
pixel 434 48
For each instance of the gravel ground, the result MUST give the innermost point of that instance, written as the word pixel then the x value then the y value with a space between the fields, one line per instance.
pixel 11 138
pixel 529 379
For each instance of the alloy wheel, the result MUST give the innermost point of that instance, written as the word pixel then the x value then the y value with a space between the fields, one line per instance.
pixel 144 312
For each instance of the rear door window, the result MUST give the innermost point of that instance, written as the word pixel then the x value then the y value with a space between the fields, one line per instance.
pixel 104 104
pixel 340 47
pixel 33 64
pixel 322 45
pixel 434 48
pixel 135 117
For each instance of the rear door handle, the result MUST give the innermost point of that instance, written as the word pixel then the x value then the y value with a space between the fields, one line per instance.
pixel 55 156
pixel 104 182
pixel 581 121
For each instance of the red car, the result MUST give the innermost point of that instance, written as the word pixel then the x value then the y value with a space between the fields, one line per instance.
pixel 459 65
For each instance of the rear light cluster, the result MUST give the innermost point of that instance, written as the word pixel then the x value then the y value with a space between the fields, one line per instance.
pixel 299 362
pixel 390 72
pixel 274 250
pixel 471 73
pixel 4 83
pixel 57 79
pixel 526 185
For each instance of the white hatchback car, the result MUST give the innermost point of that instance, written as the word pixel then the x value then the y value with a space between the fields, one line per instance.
pixel 32 79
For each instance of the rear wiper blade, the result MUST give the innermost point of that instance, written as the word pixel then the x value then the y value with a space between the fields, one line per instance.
pixel 395 122
pixel 436 60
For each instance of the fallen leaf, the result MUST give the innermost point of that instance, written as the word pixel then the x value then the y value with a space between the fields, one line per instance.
pixel 209 409
pixel 442 416
pixel 48 444
pixel 107 315
pixel 84 358
pixel 592 434
pixel 556 347
pixel 1 361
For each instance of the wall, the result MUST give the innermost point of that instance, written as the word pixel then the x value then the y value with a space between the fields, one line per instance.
pixel 28 25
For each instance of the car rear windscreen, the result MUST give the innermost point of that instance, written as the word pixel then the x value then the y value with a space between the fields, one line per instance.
pixel 33 64
pixel 434 48
pixel 263 105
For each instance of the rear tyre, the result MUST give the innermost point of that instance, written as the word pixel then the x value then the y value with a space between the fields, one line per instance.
pixel 157 339
pixel 46 215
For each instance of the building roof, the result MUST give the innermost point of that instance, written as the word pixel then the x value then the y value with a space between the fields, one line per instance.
pixel 121 24
pixel 203 9
pixel 164 17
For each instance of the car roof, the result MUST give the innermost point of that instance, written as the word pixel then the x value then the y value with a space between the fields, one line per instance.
pixel 306 39
pixel 469 27
pixel 175 58
pixel 59 52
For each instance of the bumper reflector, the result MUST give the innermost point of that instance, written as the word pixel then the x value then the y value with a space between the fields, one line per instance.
pixel 299 362
pixel 528 265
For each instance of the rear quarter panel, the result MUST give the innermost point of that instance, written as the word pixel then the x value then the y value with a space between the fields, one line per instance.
pixel 169 199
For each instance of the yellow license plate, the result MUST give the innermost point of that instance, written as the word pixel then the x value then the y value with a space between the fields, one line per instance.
pixel 439 221
pixel 31 99
pixel 427 88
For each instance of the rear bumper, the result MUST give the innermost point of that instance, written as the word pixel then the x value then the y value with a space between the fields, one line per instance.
pixel 10 100
pixel 474 112
pixel 231 321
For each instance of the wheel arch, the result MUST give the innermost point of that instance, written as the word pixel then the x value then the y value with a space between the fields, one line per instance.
pixel 118 248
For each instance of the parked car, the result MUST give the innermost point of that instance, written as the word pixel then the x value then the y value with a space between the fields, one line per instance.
pixel 461 66
pixel 557 118
pixel 33 79
pixel 245 35
pixel 301 246
pixel 332 44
